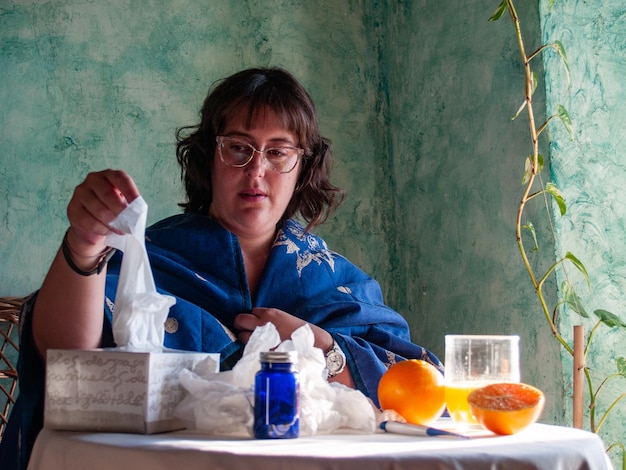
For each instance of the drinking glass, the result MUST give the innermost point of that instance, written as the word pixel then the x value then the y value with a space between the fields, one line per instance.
pixel 473 361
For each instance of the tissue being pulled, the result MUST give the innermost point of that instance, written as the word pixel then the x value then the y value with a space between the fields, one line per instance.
pixel 140 311
pixel 222 403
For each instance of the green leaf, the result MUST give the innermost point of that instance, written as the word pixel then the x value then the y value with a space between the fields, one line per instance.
pixel 528 167
pixel 558 197
pixel 572 300
pixel 560 49
pixel 499 11
pixel 609 319
pixel 519 111
pixel 576 262
pixel 540 161
pixel 558 46
pixel 621 366
pixel 565 119
pixel 531 228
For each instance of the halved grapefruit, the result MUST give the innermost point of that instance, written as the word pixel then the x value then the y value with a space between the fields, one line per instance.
pixel 506 408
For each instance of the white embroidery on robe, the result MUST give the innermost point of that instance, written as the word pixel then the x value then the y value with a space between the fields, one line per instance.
pixel 316 250
pixel 391 357
pixel 110 304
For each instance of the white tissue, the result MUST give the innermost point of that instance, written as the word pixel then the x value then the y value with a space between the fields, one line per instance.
pixel 222 403
pixel 140 311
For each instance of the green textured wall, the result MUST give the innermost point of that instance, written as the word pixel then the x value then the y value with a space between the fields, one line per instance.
pixel 415 96
pixel 449 82
pixel 591 171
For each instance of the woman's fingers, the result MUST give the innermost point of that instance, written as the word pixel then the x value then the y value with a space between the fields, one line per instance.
pixel 245 323
pixel 284 322
pixel 96 202
pixel 123 184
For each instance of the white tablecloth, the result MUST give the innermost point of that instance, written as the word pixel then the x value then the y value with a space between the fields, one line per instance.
pixel 538 447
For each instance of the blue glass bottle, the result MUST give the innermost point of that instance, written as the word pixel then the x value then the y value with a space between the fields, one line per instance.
pixel 276 397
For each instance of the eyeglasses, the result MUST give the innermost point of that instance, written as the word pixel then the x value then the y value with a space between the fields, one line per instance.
pixel 238 153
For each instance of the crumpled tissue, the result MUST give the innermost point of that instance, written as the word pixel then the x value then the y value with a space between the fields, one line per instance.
pixel 222 403
pixel 140 311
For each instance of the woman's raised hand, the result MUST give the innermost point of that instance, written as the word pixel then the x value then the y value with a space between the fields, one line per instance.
pixel 96 202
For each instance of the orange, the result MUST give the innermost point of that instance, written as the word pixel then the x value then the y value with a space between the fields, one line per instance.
pixel 506 408
pixel 414 389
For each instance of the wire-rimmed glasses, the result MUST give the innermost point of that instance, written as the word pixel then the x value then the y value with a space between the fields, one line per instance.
pixel 238 153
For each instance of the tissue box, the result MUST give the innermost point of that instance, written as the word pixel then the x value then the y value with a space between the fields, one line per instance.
pixel 115 390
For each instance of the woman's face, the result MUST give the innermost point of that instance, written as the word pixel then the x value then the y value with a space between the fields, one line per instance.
pixel 250 201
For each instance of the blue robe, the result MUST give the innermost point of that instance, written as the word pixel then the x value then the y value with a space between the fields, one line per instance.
pixel 196 260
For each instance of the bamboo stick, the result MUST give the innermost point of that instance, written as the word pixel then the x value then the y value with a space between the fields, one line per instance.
pixel 579 369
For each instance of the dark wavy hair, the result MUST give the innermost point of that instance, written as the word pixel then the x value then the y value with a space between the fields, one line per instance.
pixel 251 91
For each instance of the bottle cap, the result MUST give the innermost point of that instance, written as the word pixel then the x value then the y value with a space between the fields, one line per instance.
pixel 279 356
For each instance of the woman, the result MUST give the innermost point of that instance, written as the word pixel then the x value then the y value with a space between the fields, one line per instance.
pixel 235 259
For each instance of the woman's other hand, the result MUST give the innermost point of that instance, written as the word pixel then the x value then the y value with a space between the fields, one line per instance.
pixel 284 322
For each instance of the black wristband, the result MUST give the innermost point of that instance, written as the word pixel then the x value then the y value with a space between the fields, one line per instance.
pixel 67 254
